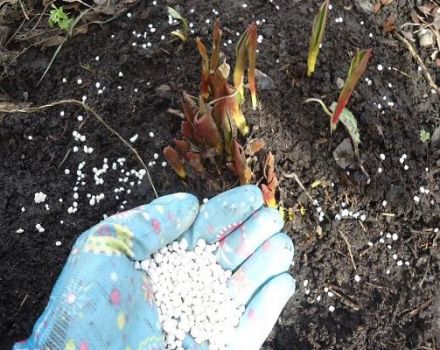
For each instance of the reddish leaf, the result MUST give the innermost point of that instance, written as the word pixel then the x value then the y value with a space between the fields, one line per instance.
pixel 195 161
pixel 269 189
pixel 216 42
pixel 189 107
pixel 182 146
pixel 254 146
pixel 206 129
pixel 357 68
pixel 187 131
pixel 240 165
pixel 205 68
pixel 389 25
pixel 174 160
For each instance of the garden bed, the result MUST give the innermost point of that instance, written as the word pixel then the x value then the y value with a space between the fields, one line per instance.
pixel 391 300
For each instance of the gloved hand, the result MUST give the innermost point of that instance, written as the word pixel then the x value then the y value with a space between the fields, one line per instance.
pixel 101 301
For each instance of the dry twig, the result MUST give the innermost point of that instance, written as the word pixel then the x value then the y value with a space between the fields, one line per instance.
pixel 348 248
pixel 419 60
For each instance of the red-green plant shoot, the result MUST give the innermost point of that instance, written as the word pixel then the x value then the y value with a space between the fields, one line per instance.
pixel 271 185
pixel 318 30
pixel 246 51
pixel 357 68
pixel 174 160
pixel 213 119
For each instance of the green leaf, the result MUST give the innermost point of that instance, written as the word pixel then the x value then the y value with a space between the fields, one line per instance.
pixel 425 136
pixel 317 34
pixel 349 120
pixel 173 13
pixel 59 18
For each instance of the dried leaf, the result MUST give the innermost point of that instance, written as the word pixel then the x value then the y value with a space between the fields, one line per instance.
pixel 376 7
pixel 389 25
pixel 254 146
pixel 56 40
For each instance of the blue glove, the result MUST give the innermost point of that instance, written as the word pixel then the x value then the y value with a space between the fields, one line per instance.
pixel 100 301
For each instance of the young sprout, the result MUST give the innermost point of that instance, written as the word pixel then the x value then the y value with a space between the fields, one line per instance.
pixel 240 164
pixel 204 85
pixel 357 68
pixel 317 34
pixel 59 18
pixel 271 185
pixel 212 121
pixel 183 33
pixel 195 161
pixel 425 136
pixel 175 161
pixel 246 51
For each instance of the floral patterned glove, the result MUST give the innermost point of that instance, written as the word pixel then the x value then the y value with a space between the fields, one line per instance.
pixel 100 301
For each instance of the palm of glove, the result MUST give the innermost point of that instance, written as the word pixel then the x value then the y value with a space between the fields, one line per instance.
pixel 101 301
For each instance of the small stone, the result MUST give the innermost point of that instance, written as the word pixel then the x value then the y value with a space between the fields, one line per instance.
pixel 426 38
pixel 340 83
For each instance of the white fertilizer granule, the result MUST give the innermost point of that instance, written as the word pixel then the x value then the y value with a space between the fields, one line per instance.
pixel 192 295
pixel 39 197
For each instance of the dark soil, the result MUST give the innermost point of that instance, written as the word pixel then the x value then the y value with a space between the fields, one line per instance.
pixel 395 310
